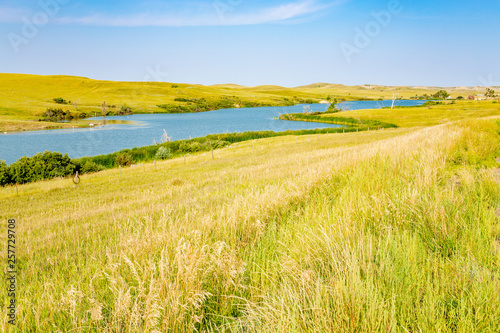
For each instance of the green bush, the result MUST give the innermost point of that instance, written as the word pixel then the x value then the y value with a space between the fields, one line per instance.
pixel 41 166
pixel 90 167
pixel 332 108
pixel 163 153
pixel 60 100
pixel 124 160
pixel 57 115
pixel 4 174
pixel 216 144
pixel 124 110
pixel 190 147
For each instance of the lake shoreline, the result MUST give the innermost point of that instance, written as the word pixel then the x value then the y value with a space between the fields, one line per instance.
pixel 120 132
pixel 61 126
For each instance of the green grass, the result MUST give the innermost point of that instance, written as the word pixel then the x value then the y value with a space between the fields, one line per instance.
pixel 380 231
pixel 329 118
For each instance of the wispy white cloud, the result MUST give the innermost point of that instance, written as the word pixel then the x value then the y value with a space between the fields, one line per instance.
pixel 233 16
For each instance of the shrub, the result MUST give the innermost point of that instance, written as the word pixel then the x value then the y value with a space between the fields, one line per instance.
pixel 124 160
pixel 124 110
pixel 60 100
pixel 332 108
pixel 218 144
pixel 41 166
pixel 89 167
pixel 163 153
pixel 4 174
pixel 57 115
pixel 190 147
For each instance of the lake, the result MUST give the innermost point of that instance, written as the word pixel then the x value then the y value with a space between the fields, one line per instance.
pixel 149 127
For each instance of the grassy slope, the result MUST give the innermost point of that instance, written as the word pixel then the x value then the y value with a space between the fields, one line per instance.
pixel 23 98
pixel 387 231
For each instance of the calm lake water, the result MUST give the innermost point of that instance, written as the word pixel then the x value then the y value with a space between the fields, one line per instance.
pixel 147 128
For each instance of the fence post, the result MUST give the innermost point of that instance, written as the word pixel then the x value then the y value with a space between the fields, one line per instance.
pixel 120 169
pixel 17 190
pixel 212 153
pixel 155 164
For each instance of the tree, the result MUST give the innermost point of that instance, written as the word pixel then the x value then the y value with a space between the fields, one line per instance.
pixel 441 94
pixel 394 97
pixel 333 106
pixel 490 92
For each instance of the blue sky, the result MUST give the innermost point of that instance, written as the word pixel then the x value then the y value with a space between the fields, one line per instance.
pixel 284 42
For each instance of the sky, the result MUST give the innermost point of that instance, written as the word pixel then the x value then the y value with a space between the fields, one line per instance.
pixel 281 42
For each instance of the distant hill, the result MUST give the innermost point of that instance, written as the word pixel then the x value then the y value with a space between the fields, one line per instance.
pixel 24 98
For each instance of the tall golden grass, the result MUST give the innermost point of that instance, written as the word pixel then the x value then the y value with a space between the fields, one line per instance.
pixel 391 231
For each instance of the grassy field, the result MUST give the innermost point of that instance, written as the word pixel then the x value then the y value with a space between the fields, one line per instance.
pixel 380 231
pixel 24 98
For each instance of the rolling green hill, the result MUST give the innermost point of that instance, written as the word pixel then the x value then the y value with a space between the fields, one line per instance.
pixel 24 98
